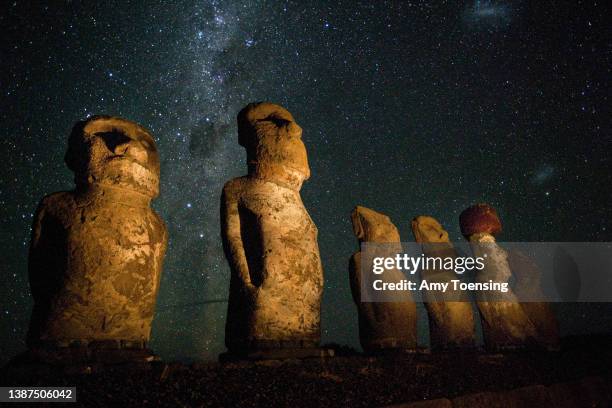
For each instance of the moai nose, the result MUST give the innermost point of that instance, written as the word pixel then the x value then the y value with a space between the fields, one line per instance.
pixel 120 149
pixel 294 129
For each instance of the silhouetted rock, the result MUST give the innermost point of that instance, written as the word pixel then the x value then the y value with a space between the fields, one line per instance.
pixel 383 326
pixel 96 252
pixel 451 323
pixel 270 241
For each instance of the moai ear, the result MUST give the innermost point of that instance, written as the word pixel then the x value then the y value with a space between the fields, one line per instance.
pixel 77 149
pixel 358 227
pixel 245 127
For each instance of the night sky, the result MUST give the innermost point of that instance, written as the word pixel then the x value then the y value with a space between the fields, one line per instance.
pixel 408 108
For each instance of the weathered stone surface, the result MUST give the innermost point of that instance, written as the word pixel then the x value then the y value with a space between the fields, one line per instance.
pixel 382 325
pixel 451 323
pixel 527 276
pixel 270 241
pixel 96 252
pixel 504 322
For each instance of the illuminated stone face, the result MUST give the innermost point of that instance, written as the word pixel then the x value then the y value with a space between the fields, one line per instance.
pixel 382 325
pixel 273 141
pixel 270 241
pixel 114 152
pixel 372 226
pixel 96 252
pixel 428 230
pixel 451 324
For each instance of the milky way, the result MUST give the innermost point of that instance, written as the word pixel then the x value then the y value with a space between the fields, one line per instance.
pixel 407 107
pixel 489 14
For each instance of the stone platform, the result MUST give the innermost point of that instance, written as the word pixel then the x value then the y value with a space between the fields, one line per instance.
pixel 277 354
pixel 80 359
pixel 577 376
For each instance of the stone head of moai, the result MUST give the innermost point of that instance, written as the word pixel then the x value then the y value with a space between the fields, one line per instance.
pixel 372 226
pixel 107 151
pixel 431 234
pixel 273 141
pixel 427 229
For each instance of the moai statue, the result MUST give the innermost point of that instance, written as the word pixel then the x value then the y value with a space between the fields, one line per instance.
pixel 528 284
pixel 270 242
pixel 451 320
pixel 505 325
pixel 96 252
pixel 383 326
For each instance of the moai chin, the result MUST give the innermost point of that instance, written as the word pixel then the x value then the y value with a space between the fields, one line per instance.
pixel 383 326
pixel 96 252
pixel 270 241
pixel 505 325
pixel 451 321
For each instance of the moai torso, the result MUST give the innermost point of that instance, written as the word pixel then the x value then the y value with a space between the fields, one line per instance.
pixel 271 241
pixel 528 286
pixel 96 252
pixel 451 323
pixel 383 326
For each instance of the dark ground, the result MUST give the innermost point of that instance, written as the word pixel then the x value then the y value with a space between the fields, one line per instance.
pixel 355 380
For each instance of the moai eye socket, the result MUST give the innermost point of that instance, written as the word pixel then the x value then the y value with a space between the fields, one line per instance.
pixel 113 139
pixel 277 120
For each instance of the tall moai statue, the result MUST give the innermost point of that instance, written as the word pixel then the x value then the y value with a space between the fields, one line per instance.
pixel 528 276
pixel 505 325
pixel 451 320
pixel 383 326
pixel 270 242
pixel 96 252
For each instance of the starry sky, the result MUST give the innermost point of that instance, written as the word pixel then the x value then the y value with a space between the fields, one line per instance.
pixel 408 107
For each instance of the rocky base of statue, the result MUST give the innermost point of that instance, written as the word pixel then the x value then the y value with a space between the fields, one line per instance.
pixel 457 348
pixel 78 358
pixel 518 348
pixel 276 354
pixel 276 350
pixel 390 346
pixel 384 352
